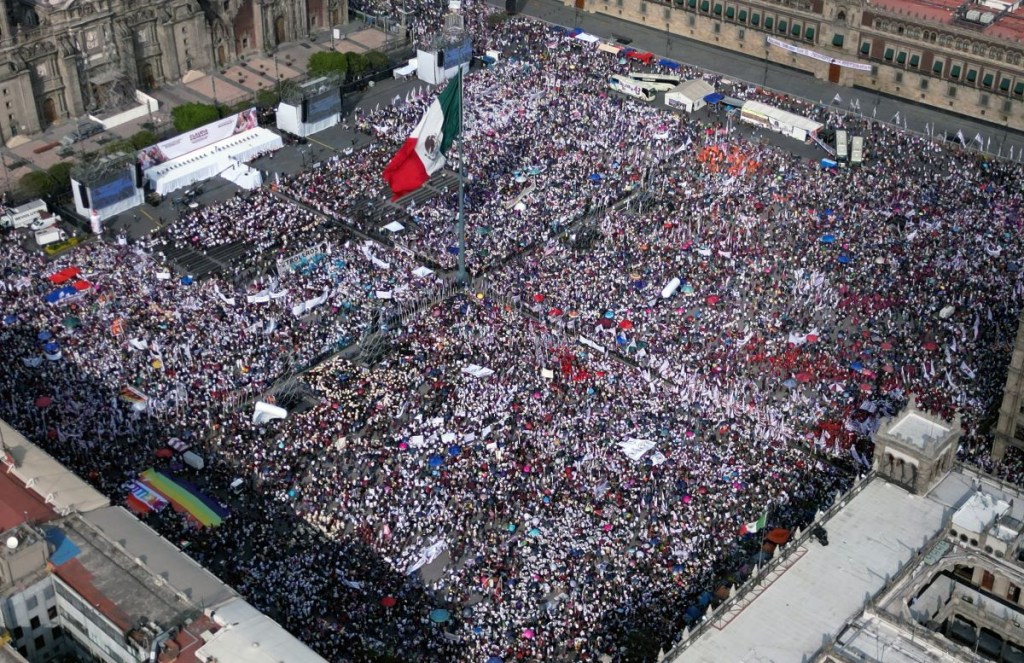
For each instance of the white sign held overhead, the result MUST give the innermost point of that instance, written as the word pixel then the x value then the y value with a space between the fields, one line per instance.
pixel 635 448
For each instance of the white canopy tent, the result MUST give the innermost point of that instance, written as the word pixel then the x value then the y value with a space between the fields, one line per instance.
pixel 211 160
pixel 776 119
pixel 689 95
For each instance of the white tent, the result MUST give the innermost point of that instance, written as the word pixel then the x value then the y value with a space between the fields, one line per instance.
pixel 689 95
pixel 776 119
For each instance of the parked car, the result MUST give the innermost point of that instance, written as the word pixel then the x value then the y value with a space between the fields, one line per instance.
pixel 43 222
pixel 83 131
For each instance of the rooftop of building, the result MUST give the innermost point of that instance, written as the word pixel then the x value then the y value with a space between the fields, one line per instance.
pixel 104 575
pixel 994 18
pixel 19 505
pixel 872 537
pixel 979 512
pixel 160 557
pixel 248 636
pixel 62 490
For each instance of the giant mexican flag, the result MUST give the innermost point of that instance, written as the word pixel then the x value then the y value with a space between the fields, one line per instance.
pixel 423 152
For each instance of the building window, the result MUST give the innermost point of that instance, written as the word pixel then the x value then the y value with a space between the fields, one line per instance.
pixel 34 622
pixel 888 55
pixel 51 612
pixel 984 99
pixel 1007 105
pixel 951 92
pixel 692 20
pixel 769 23
pixel 901 57
pixel 755 19
pixel 718 9
pixel 865 48
pixel 704 5
pixel 31 603
pixel 795 31
pixel 742 34
pixel 743 16
pixel 1004 85
pixel 924 83
pixel 668 13
pixel 718 28
pixel 837 41
pixel 783 24
pixel 730 12
pixel 954 72
pixel 1018 90
pixel 987 80
pixel 937 67
pixel 17 632
pixel 972 75
pixel 39 642
pixel 915 60
pixel 898 76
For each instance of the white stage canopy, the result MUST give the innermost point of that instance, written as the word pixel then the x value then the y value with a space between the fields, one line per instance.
pixel 212 160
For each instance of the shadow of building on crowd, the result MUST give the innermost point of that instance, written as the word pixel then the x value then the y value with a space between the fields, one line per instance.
pixel 333 596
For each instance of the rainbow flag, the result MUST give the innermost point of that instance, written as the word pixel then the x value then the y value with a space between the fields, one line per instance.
pixel 181 498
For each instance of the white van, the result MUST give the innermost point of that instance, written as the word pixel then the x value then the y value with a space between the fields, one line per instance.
pixel 23 216
pixel 857 150
pixel 193 460
pixel 50 235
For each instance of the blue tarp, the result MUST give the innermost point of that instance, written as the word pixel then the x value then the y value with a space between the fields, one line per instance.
pixel 828 163
pixel 64 549
pixel 62 293
pixel 668 63
pixel 714 97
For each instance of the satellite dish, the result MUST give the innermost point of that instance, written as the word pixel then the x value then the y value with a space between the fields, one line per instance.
pixel 12 542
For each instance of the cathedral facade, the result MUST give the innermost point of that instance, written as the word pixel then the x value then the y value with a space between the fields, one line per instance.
pixel 61 59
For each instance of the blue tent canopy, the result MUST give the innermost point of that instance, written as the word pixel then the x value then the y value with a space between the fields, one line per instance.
pixel 828 239
pixel 857 366
pixel 595 177
pixel 44 335
pixel 186 280
pixel 64 548
pixel 714 97
pixel 844 260
pixel 704 598
pixel 664 62
pixel 51 348
pixel 435 461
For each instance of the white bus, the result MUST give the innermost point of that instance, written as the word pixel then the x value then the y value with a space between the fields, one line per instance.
pixel 661 82
pixel 632 88
pixel 841 145
pixel 857 149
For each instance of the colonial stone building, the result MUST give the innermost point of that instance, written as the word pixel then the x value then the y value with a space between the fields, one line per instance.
pixel 62 58
pixel 961 56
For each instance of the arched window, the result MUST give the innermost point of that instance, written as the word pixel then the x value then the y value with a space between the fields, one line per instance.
pixel 841 16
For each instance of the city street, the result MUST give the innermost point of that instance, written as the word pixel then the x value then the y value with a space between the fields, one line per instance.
pixel 756 71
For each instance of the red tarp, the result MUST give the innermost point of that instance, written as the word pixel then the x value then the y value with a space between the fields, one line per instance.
pixel 81 285
pixel 64 275
pixel 642 56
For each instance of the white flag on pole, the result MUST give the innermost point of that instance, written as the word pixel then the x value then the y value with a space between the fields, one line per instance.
pixel 837 99
pixel 960 137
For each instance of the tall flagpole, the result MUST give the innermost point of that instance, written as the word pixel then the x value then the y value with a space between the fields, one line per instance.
pixel 462 276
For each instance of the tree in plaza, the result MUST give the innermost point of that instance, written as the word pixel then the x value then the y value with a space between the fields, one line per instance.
pixel 191 115
pixel 36 184
pixel 60 173
pixel 356 63
pixel 141 139
pixel 325 63
pixel 376 61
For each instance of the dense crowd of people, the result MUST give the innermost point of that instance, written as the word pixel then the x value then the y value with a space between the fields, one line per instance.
pixel 673 330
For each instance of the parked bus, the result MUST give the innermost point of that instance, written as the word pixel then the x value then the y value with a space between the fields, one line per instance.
pixel 661 82
pixel 841 145
pixel 632 88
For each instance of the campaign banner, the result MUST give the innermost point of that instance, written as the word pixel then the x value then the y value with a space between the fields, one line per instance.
pixel 197 139
pixel 793 48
